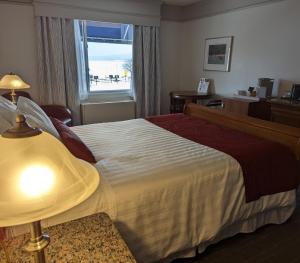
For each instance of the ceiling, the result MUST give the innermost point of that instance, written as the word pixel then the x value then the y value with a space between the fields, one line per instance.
pixel 181 2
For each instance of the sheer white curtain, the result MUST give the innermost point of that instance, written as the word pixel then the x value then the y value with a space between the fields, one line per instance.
pixel 146 69
pixel 57 64
pixel 81 60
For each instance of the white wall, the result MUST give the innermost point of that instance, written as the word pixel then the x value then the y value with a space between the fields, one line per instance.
pixel 17 43
pixel 266 44
pixel 170 60
pixel 17 31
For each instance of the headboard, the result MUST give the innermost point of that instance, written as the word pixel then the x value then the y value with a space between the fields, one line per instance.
pixel 287 135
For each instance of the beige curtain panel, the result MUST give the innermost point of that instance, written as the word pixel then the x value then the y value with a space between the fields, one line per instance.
pixel 146 69
pixel 57 66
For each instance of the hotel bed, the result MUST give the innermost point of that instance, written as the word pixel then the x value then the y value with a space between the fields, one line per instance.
pixel 169 195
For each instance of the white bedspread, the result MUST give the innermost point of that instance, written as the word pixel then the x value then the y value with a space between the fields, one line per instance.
pixel 165 193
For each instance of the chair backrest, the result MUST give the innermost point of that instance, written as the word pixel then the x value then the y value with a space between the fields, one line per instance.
pixel 59 112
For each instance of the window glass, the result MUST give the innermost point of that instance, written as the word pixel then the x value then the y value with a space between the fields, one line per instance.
pixel 109 56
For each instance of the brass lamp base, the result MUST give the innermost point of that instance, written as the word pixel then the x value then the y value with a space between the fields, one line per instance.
pixel 21 129
pixel 37 243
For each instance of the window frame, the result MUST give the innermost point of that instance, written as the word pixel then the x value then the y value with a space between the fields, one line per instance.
pixel 124 93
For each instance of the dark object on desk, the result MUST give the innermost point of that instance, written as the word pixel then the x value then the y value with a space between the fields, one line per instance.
pixel 180 98
pixel 251 90
pixel 286 96
pixel 59 112
pixel 286 112
pixel 295 94
pixel 215 103
pixel 256 109
pixel 89 239
pixel 268 83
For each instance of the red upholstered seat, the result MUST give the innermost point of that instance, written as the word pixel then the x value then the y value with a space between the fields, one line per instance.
pixel 59 112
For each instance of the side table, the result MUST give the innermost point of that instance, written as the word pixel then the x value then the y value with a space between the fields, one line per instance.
pixel 85 240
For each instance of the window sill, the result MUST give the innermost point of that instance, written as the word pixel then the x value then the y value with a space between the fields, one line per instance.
pixel 108 97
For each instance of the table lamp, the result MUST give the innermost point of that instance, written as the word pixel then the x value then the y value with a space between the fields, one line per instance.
pixel 13 82
pixel 39 178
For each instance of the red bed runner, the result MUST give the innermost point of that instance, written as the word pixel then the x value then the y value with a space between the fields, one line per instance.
pixel 268 167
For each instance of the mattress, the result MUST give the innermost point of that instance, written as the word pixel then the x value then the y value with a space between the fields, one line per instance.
pixel 167 194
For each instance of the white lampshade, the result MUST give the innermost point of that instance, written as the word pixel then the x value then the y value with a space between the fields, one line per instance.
pixel 40 178
pixel 13 82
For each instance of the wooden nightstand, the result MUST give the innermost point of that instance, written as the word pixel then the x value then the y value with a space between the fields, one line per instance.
pixel 86 240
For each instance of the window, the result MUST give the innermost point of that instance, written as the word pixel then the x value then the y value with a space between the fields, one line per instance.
pixel 108 55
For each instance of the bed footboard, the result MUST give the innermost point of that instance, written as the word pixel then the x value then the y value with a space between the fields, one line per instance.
pixel 287 135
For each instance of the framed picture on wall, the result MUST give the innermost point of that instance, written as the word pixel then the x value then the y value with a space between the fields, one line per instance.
pixel 218 53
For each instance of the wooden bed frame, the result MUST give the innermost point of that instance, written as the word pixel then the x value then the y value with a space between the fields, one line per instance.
pixel 287 135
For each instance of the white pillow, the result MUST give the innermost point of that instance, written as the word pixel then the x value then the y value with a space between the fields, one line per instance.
pixel 35 116
pixel 7 114
pixel 4 125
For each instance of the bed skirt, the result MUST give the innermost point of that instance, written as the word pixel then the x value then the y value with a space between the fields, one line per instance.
pixel 250 225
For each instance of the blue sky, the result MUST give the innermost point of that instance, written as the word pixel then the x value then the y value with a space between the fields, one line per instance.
pixel 109 51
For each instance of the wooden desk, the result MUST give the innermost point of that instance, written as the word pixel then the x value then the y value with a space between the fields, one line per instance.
pixel 90 239
pixel 286 112
pixel 248 107
pixel 179 98
pixel 277 110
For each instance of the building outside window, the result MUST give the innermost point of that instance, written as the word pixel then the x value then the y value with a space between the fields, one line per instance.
pixel 108 52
